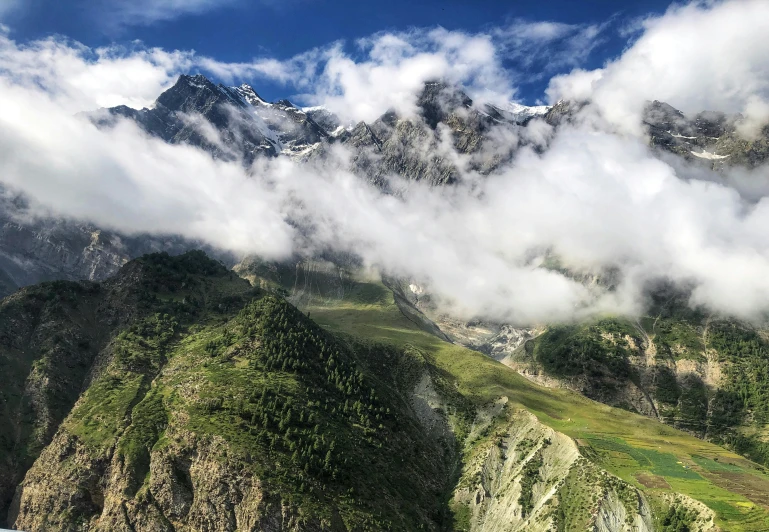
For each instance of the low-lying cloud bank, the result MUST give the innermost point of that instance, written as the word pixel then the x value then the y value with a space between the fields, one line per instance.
pixel 597 197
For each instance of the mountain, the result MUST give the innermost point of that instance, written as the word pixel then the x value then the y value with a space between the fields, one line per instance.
pixel 697 372
pixel 246 125
pixel 249 127
pixel 175 396
pixel 204 404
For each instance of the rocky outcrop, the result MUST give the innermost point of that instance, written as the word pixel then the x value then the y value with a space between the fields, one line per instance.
pixel 523 475
pixel 55 339
pixel 193 485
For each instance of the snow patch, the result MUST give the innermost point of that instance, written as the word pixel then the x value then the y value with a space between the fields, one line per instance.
pixel 520 114
pixel 299 151
pixel 416 289
pixel 707 155
pixel 269 134
pixel 196 85
pixel 525 110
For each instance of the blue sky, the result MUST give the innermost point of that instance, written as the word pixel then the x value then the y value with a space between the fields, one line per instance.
pixel 239 31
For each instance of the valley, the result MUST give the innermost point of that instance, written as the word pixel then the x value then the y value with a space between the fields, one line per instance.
pixel 212 403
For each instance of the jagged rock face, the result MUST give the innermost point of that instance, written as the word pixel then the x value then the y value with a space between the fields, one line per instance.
pixel 563 111
pixel 529 477
pixel 193 486
pixel 710 138
pixel 34 250
pixel 392 152
pixel 248 125
pixel 44 251
pixel 411 148
pixel 437 102
pixel 327 120
pixel 296 131
pixel 176 114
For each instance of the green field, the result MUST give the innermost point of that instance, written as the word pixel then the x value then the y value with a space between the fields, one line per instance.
pixel 625 444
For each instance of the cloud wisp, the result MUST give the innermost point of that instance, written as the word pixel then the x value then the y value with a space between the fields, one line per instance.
pixel 598 199
pixel 115 15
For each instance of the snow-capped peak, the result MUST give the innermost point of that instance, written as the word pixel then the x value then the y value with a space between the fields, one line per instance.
pixel 198 81
pixel 525 111
pixel 248 93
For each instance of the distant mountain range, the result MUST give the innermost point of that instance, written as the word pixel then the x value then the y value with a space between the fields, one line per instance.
pixel 249 127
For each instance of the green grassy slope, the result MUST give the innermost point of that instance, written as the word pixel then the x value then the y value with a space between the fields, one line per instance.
pixel 650 455
pixel 707 375
pixel 324 425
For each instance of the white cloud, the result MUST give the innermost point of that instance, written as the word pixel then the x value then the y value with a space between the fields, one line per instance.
pixel 111 177
pixel 545 47
pixel 594 198
pixel 384 71
pixel 756 114
pixel 705 55
pixel 397 66
pixel 80 78
pixel 576 86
